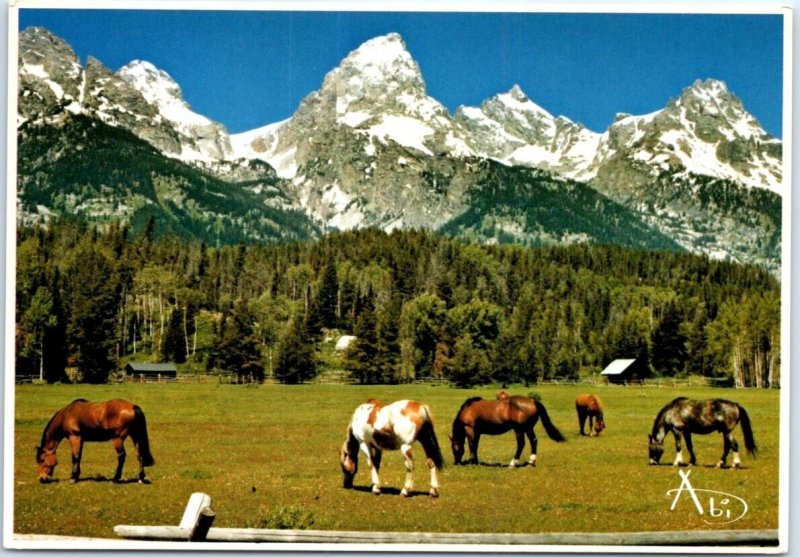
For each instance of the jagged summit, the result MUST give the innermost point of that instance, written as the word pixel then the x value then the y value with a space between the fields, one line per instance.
pixel 153 82
pixel 370 147
pixel 383 51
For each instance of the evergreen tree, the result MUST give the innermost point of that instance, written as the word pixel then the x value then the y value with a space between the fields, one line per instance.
pixel 92 293
pixel 295 361
pixel 173 347
pixel 361 357
pixel 237 347
pixel 324 308
pixel 469 365
pixel 669 343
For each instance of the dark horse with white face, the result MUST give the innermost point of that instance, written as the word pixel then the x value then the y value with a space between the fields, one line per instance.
pixel 686 416
pixel 81 421
pixel 494 417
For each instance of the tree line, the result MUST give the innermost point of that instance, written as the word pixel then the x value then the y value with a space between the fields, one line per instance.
pixel 420 305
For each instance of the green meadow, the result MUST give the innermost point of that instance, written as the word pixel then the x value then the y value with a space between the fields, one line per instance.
pixel 268 457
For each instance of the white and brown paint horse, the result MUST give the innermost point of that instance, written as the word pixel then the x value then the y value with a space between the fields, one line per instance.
pixel 376 427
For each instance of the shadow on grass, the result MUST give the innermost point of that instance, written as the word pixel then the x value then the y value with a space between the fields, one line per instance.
pixel 101 478
pixel 523 464
pixel 705 466
pixel 388 491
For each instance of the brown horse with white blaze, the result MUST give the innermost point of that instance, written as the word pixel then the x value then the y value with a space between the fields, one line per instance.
pixel 588 406
pixel 376 427
pixel 494 417
pixel 81 421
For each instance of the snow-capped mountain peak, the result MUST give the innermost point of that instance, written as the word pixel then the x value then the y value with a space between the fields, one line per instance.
pixel 516 100
pixel 704 131
pixel 158 87
pixel 201 138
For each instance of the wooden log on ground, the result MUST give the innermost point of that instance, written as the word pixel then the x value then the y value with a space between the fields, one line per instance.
pixel 197 519
pixel 757 538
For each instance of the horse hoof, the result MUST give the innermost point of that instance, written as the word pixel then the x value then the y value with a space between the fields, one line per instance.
pixel 405 493
pixel 720 464
pixel 376 491
pixel 434 493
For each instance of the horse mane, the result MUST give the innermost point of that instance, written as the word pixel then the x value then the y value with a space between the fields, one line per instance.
pixel 50 422
pixel 458 425
pixel 660 416
pixel 468 402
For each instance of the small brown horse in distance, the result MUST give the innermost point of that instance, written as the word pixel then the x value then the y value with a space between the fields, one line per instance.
pixel 494 417
pixel 81 421
pixel 588 406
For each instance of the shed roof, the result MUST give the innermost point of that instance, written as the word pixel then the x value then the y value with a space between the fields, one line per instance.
pixel 142 367
pixel 617 367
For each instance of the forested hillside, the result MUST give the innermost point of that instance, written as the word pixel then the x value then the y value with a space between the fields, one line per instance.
pixel 421 305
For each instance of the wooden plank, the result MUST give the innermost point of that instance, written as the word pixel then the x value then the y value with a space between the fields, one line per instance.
pixel 759 538
pixel 197 502
pixel 163 533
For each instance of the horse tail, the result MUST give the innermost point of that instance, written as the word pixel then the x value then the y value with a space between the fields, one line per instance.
pixel 747 430
pixel 138 432
pixel 549 427
pixel 427 437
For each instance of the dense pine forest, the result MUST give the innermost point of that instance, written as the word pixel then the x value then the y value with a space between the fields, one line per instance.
pixel 420 305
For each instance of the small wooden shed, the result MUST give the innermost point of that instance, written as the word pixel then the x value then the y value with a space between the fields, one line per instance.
pixel 622 372
pixel 146 369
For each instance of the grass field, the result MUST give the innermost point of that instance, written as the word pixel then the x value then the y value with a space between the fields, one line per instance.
pixel 268 456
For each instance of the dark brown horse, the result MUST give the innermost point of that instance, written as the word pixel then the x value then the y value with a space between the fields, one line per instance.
pixel 81 421
pixel 686 416
pixel 494 417
pixel 588 406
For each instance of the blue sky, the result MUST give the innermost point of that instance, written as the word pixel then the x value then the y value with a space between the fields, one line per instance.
pixel 247 69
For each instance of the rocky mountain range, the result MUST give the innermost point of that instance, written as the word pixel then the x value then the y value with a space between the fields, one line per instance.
pixel 370 148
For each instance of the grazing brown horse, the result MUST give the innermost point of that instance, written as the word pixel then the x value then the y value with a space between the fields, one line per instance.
pixel 686 416
pixel 588 406
pixel 376 427
pixel 81 421
pixel 494 417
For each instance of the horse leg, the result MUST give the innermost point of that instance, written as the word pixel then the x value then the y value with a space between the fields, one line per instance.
pixel 534 444
pixel 727 444
pixel 735 448
pixel 520 446
pixel 377 455
pixel 119 446
pixel 679 455
pixel 434 491
pixel 376 482
pixel 472 440
pixel 688 438
pixel 76 444
pixel 591 424
pixel 409 485
pixel 582 420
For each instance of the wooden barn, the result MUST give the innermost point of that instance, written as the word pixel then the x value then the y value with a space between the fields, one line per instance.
pixel 623 372
pixel 137 369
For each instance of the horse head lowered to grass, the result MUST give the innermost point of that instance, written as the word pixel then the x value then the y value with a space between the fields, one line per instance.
pixel 376 427
pixel 684 416
pixel 81 421
pixel 589 406
pixel 494 417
